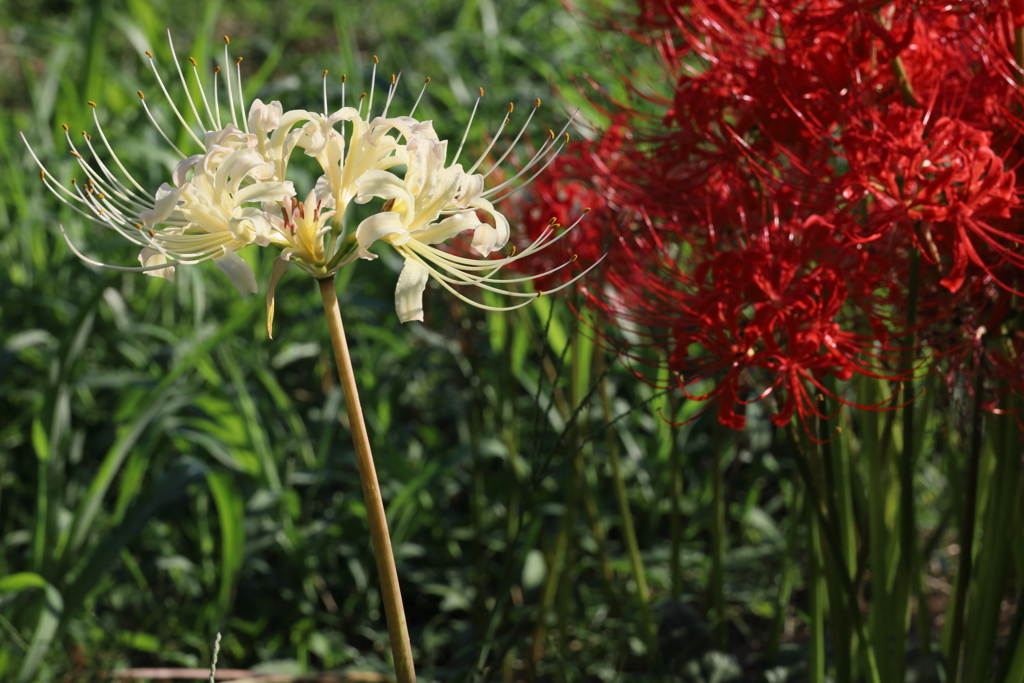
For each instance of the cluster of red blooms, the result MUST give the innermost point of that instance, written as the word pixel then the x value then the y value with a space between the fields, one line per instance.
pixel 829 188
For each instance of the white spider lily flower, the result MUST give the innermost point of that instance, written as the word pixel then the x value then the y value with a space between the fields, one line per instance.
pixel 430 205
pixel 234 193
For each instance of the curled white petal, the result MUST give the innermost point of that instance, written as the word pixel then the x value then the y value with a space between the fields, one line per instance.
pixel 379 226
pixel 264 117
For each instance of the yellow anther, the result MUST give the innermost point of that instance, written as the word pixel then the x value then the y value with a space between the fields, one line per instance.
pixel 551 133
pixel 481 92
pixel 193 60
pixel 586 210
pixel 141 96
pixel 64 126
pixel 238 61
pixel 554 219
pixel 100 195
pixel 216 69
pixel 839 430
pixel 149 54
pixel 324 74
pixel 75 154
pixel 74 181
pixel 375 60
pixel 227 41
pixel 513 252
pixel 84 134
pixel 89 138
pixel 392 79
pixel 101 211
pixel 511 107
pixel 536 103
pixel 91 103
pixel 42 175
pixel 574 257
pixel 540 293
pixel 427 81
pixel 362 96
pixel 139 226
pixel 344 78
pixel 567 137
pixel 152 234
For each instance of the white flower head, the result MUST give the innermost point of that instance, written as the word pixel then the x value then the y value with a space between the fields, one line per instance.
pixel 234 193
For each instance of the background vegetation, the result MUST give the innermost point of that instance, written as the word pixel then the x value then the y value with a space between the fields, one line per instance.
pixel 167 472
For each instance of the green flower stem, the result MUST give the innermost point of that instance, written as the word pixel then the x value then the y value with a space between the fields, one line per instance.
pixel 963 578
pixel 676 497
pixel 816 592
pixel 625 514
pixel 718 540
pixel 831 537
pixel 391 592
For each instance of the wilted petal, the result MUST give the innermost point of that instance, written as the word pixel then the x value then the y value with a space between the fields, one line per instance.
pixel 280 265
pixel 239 272
pixel 409 292
pixel 149 257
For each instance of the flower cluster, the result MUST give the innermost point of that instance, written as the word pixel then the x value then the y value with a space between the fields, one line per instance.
pixel 235 192
pixel 830 188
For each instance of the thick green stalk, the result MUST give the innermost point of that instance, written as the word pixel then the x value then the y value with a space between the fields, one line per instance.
pixel 881 616
pixel 993 559
pixel 391 592
pixel 963 579
pixel 817 592
pixel 842 634
pixel 909 565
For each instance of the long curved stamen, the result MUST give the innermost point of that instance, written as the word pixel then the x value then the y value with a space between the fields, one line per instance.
pixel 325 92
pixel 134 269
pixel 531 178
pixel 391 92
pixel 118 189
pixel 343 79
pixel 157 125
pixel 174 108
pixel 462 275
pixel 227 75
pixel 216 97
pixel 106 144
pixel 422 90
pixel 93 177
pixel 494 139
pixel 241 95
pixel 181 76
pixel 202 91
pixel 465 134
pixel 373 81
pixel 540 152
pixel 515 142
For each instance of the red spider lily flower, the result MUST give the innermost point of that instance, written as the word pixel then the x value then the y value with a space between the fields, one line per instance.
pixel 943 176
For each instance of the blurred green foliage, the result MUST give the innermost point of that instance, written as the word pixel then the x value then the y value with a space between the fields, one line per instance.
pixel 167 472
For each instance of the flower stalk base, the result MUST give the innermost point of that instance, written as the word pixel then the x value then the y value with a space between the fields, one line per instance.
pixel 398 627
